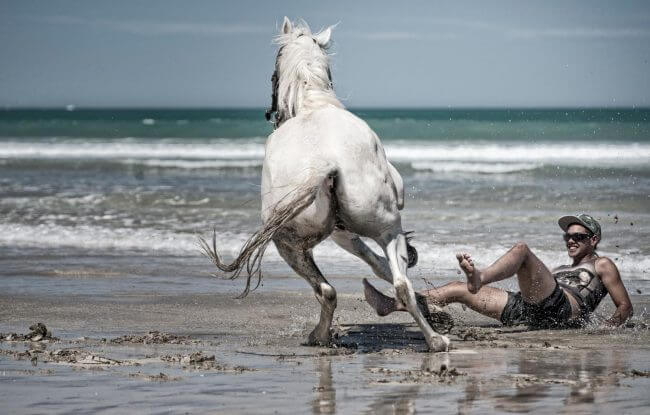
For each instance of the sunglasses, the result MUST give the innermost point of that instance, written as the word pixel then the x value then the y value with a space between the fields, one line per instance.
pixel 577 237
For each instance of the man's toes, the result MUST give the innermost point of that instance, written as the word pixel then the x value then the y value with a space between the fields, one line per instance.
pixel 459 256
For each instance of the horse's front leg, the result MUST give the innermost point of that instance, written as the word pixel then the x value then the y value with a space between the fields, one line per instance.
pixel 394 245
pixel 302 262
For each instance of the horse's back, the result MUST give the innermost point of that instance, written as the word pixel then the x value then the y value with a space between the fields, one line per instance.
pixel 315 143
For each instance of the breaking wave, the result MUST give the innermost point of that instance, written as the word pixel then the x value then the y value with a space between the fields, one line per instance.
pixel 470 167
pixel 488 158
pixel 433 256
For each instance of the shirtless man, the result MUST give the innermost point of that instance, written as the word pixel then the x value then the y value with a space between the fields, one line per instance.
pixel 562 298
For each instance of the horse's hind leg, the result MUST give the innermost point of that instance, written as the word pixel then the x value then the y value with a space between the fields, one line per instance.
pixel 394 244
pixel 356 246
pixel 302 262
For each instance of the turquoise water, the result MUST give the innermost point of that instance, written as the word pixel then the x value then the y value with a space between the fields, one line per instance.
pixel 628 125
pixel 132 183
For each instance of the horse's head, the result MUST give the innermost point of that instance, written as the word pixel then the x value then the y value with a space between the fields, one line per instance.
pixel 301 66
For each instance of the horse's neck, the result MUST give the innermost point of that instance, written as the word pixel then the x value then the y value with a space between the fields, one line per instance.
pixel 308 97
pixel 313 99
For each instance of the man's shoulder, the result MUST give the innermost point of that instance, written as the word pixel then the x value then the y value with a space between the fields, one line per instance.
pixel 603 261
pixel 604 265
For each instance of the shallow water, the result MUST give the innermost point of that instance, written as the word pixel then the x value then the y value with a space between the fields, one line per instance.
pixel 107 182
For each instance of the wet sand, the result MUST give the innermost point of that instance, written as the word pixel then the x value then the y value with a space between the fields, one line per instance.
pixel 215 354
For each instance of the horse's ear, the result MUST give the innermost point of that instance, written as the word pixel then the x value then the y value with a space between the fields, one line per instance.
pixel 323 38
pixel 286 25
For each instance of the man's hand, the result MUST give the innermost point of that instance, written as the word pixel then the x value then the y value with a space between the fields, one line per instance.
pixel 613 321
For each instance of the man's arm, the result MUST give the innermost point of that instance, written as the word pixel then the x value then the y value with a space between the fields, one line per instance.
pixel 610 277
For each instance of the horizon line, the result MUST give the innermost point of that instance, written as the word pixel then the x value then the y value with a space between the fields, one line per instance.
pixel 352 108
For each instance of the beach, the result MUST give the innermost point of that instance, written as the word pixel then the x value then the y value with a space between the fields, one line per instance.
pixel 377 365
pixel 100 213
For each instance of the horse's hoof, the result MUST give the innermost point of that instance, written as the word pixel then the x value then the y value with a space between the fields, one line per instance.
pixel 319 341
pixel 439 344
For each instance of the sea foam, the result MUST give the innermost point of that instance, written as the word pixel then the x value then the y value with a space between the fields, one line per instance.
pixel 196 164
pixel 398 151
pixel 473 167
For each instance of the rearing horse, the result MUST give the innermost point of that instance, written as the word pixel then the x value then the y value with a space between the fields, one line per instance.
pixel 325 174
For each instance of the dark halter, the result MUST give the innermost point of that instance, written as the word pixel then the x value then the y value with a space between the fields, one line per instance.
pixel 272 114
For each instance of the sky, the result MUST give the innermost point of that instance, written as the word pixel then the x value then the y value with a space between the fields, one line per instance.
pixel 142 53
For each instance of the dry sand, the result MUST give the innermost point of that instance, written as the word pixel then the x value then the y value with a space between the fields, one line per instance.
pixel 214 354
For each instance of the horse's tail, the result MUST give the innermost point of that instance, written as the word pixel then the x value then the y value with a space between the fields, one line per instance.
pixel 251 254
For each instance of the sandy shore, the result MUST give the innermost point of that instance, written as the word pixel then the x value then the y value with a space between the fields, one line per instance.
pixel 212 353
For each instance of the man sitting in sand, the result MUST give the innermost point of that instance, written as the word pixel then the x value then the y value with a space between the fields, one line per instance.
pixel 562 298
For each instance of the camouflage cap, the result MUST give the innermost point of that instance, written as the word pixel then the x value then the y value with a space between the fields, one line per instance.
pixel 581 219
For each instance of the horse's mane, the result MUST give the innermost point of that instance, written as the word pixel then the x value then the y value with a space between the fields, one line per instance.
pixel 302 79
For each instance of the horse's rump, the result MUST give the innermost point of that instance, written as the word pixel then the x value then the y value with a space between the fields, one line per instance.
pixel 306 148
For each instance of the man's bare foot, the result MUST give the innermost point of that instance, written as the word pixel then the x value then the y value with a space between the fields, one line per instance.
pixel 382 304
pixel 473 274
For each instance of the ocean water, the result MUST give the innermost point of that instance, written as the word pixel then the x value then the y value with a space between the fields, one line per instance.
pixel 112 192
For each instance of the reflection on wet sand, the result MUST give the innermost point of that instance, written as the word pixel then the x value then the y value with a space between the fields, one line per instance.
pixel 324 401
pixel 591 389
pixel 399 402
pixel 476 389
pixel 523 400
pixel 578 379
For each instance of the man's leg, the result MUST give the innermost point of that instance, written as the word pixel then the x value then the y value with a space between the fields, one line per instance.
pixel 489 301
pixel 535 280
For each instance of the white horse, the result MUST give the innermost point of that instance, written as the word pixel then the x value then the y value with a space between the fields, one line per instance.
pixel 325 174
